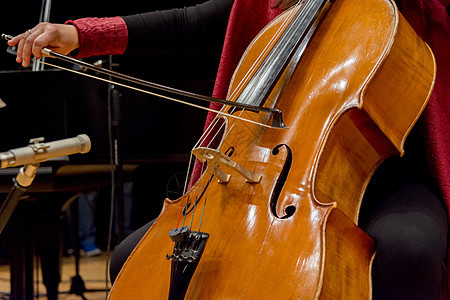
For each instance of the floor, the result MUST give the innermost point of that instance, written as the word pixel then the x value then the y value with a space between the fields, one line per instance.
pixel 92 272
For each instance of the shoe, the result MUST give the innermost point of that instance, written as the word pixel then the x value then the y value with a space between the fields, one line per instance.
pixel 69 252
pixel 89 250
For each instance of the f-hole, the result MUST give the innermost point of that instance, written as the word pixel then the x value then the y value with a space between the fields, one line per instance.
pixel 281 180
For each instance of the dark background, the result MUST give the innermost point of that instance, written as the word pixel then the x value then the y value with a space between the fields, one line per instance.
pixel 57 104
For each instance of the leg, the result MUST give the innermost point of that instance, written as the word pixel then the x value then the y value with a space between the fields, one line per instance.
pixel 86 226
pixel 49 233
pixel 410 226
pixel 124 249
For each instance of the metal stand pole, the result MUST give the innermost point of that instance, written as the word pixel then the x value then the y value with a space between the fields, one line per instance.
pixel 44 17
pixel 22 286
pixel 21 184
pixel 117 161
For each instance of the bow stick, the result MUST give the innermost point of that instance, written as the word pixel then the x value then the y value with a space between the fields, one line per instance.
pixel 277 120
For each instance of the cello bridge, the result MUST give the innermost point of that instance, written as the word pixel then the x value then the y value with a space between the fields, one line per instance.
pixel 215 159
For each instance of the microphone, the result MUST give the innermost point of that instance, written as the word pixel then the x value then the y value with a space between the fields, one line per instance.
pixel 38 152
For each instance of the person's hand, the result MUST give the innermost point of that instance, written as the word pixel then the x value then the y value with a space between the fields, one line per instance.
pixel 56 37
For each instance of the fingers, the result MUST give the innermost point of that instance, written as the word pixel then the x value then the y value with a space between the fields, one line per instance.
pixel 58 37
pixel 25 47
pixel 14 40
pixel 24 43
pixel 29 43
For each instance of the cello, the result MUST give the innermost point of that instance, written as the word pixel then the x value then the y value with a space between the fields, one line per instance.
pixel 280 205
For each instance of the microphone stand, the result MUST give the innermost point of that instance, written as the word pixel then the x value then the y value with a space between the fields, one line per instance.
pixel 117 161
pixel 114 118
pixel 22 183
pixel 44 17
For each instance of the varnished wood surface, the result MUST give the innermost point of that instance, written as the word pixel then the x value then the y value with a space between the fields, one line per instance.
pixel 253 251
pixel 92 271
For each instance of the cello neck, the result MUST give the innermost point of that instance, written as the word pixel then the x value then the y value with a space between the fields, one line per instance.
pixel 288 45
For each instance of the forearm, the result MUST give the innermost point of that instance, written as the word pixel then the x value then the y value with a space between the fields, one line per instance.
pixel 182 30
pixel 100 36
pixel 170 31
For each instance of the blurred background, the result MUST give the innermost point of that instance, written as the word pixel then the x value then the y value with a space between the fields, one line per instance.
pixel 156 137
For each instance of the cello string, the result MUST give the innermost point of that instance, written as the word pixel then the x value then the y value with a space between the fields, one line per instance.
pixel 217 118
pixel 154 94
pixel 203 211
pixel 255 64
pixel 273 39
pixel 147 92
pixel 204 176
pixel 233 94
pixel 193 211
pixel 186 208
pixel 265 50
pixel 197 198
pixel 190 178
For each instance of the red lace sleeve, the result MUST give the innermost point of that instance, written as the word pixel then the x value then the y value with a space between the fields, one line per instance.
pixel 100 36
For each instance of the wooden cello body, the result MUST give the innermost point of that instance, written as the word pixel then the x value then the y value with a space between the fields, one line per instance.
pixel 349 102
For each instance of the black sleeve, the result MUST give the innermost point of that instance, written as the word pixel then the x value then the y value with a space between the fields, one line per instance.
pixel 182 30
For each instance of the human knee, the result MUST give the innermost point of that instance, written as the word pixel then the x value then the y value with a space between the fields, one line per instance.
pixel 412 253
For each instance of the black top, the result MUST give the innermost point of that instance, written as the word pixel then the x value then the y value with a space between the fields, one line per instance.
pixel 181 30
